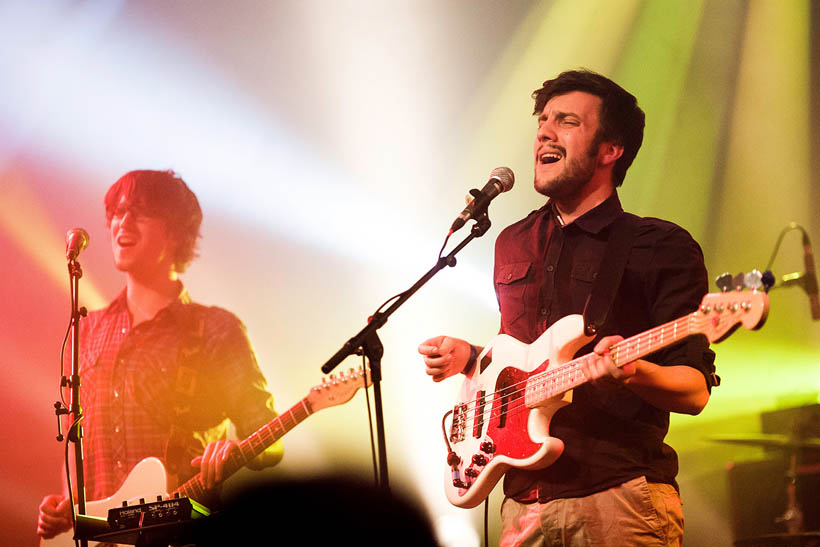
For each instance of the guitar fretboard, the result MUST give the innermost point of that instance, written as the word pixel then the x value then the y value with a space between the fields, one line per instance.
pixel 252 446
pixel 570 374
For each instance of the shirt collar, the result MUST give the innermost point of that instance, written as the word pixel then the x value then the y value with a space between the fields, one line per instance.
pixel 120 303
pixel 594 220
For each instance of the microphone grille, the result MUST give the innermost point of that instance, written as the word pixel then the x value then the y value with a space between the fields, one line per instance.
pixel 505 176
pixel 77 233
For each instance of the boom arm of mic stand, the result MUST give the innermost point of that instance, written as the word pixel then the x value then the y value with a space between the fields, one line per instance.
pixel 368 340
pixel 350 347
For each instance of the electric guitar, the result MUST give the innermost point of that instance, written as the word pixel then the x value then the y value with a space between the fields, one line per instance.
pixel 506 403
pixel 149 479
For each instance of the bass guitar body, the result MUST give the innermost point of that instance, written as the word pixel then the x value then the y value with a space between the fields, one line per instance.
pixel 493 428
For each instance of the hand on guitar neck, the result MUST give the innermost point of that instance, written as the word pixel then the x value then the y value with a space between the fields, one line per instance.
pixel 680 389
pixel 212 463
pixel 601 367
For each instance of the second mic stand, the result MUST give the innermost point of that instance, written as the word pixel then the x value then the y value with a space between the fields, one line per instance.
pixel 367 340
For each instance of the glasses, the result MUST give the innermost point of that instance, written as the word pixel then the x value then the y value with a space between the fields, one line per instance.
pixel 138 211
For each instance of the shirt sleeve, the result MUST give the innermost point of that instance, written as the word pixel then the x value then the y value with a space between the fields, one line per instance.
pixel 676 281
pixel 246 398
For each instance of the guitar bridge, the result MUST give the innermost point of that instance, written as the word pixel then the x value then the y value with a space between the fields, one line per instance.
pixel 459 423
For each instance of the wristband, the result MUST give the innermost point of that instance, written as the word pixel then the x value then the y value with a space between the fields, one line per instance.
pixel 471 361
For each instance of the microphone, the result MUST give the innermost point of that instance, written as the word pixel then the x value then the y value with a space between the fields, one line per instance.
pixel 810 278
pixel 501 180
pixel 76 240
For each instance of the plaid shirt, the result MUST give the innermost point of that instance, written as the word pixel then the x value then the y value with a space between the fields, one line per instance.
pixel 164 388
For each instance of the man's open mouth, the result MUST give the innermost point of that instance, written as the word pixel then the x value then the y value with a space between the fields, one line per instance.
pixel 550 157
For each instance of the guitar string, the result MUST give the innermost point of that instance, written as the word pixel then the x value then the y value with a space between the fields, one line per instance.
pixel 266 434
pixel 297 413
pixel 695 321
pixel 559 375
pixel 517 405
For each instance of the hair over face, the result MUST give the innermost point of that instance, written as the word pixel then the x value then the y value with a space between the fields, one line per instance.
pixel 161 194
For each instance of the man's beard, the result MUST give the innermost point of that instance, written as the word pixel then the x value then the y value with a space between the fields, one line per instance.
pixel 573 178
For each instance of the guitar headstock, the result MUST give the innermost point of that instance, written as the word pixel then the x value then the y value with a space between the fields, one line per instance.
pixel 337 389
pixel 724 312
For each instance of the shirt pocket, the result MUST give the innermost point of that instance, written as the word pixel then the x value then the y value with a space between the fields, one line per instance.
pixel 511 290
pixel 585 271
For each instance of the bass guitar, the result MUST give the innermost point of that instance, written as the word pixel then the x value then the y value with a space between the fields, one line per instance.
pixel 502 417
pixel 149 479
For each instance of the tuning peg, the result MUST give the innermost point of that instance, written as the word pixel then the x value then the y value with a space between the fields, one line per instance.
pixel 767 280
pixel 738 281
pixel 724 282
pixel 753 280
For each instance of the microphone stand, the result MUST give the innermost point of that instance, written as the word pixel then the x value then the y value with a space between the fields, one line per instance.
pixel 75 434
pixel 367 340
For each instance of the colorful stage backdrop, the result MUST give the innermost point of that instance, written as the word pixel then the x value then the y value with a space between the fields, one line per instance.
pixel 332 143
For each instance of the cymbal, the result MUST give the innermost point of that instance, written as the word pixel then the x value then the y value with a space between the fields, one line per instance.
pixel 771 441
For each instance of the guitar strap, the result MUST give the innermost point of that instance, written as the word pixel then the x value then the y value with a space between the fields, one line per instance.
pixel 606 283
pixel 182 446
pixel 610 273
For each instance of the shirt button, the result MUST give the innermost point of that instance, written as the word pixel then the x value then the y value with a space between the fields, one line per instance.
pixel 116 393
pixel 509 276
pixel 543 311
pixel 550 268
pixel 119 464
pixel 124 330
pixel 116 429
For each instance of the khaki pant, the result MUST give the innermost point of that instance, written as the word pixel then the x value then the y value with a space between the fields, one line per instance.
pixel 635 513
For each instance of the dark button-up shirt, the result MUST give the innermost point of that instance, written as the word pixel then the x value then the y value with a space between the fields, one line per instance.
pixel 164 388
pixel 545 271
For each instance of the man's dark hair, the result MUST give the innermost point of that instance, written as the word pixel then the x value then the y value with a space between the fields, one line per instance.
pixel 620 118
pixel 165 195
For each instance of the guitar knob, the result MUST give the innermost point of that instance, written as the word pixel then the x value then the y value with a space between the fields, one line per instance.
pixel 457 482
pixel 487 447
pixel 479 460
pixel 470 472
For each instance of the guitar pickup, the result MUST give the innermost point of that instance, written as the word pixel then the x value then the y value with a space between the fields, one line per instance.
pixel 478 420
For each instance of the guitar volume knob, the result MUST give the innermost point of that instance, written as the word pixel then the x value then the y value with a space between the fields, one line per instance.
pixel 479 460
pixel 487 447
